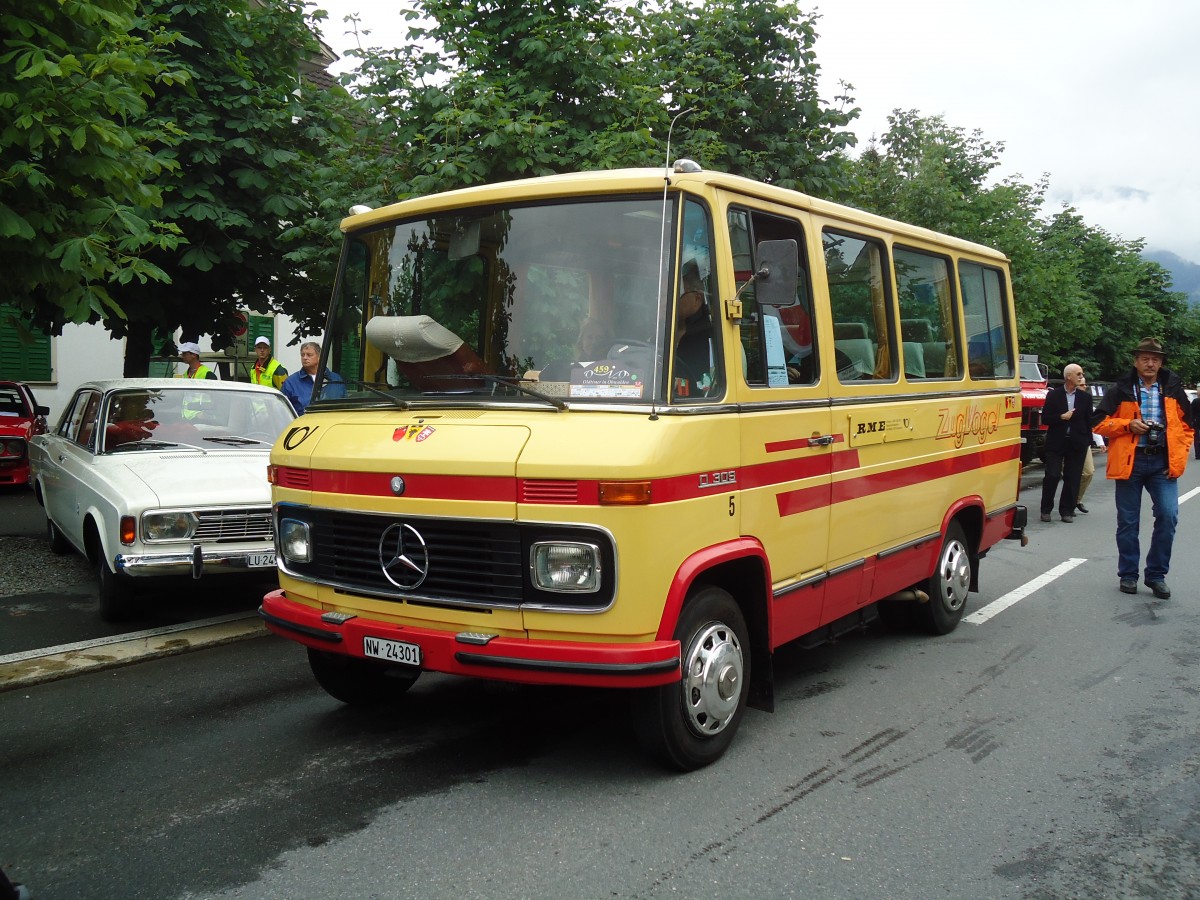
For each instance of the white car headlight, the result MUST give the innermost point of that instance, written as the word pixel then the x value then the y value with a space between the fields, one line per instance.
pixel 566 567
pixel 168 526
pixel 295 540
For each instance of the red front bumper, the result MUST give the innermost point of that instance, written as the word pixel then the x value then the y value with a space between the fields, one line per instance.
pixel 500 658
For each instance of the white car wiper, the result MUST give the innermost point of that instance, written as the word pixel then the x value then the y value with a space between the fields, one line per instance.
pixel 152 444
pixel 235 439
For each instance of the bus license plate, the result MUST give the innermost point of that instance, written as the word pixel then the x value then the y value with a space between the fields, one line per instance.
pixel 392 651
pixel 261 560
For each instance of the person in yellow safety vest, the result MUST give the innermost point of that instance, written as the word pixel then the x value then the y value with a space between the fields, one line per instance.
pixel 267 370
pixel 189 352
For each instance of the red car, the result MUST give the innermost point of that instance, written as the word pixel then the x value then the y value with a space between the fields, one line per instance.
pixel 20 419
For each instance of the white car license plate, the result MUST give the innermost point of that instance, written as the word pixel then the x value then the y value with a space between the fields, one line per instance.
pixel 392 651
pixel 261 560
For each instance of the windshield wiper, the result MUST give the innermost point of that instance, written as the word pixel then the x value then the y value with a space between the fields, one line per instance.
pixel 370 386
pixel 506 382
pixel 234 439
pixel 152 444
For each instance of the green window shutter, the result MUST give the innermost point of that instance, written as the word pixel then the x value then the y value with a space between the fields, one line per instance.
pixel 260 326
pixel 161 366
pixel 20 361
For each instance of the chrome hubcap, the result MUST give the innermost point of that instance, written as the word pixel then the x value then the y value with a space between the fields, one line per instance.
pixel 712 678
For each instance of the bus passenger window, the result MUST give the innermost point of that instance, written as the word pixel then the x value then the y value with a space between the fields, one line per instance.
pixel 989 343
pixel 862 315
pixel 927 315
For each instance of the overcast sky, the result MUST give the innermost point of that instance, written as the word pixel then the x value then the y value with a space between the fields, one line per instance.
pixel 1101 96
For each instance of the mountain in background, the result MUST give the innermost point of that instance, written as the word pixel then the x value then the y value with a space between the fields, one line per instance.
pixel 1185 276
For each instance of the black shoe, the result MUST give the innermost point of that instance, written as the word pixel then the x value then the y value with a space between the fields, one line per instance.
pixel 1128 585
pixel 1045 517
pixel 1068 519
pixel 1081 508
pixel 1161 591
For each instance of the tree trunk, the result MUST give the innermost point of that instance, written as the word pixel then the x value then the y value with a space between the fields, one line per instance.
pixel 138 348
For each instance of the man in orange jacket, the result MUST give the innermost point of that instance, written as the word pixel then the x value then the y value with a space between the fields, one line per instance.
pixel 1147 420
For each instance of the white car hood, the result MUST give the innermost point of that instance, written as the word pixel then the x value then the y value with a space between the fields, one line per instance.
pixel 192 480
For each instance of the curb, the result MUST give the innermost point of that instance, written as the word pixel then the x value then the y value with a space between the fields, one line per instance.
pixel 52 663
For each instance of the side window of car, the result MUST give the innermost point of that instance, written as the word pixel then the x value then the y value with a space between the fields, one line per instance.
pixel 69 426
pixel 87 419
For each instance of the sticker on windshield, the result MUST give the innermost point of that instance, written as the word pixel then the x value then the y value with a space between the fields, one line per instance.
pixel 607 379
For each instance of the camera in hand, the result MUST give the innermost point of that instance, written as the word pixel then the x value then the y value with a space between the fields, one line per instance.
pixel 1155 437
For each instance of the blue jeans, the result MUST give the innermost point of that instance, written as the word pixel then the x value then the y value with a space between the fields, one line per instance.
pixel 1149 472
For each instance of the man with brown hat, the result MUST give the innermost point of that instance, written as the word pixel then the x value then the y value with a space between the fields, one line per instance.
pixel 1148 423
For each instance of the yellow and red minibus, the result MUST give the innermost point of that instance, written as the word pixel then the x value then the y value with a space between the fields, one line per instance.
pixel 639 429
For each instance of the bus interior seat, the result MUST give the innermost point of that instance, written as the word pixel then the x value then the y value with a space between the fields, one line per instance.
pixel 861 352
pixel 849 331
pixel 933 352
pixel 914 359
pixel 935 359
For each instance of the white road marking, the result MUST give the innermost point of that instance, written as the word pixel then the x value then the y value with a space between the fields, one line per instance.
pixel 1018 594
pixel 1189 495
pixel 124 638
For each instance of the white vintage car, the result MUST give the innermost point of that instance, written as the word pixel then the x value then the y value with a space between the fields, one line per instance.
pixel 150 477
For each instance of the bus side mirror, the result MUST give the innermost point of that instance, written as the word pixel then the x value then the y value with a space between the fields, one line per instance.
pixel 775 278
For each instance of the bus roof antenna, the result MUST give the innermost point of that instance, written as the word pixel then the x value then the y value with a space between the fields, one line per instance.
pixel 662 252
pixel 667 165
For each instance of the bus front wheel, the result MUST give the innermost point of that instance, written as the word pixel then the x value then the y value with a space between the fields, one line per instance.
pixel 949 584
pixel 691 723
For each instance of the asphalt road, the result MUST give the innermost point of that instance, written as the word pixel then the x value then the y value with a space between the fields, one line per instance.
pixel 1045 749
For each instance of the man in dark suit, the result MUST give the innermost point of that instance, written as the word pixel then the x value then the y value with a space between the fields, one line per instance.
pixel 1068 417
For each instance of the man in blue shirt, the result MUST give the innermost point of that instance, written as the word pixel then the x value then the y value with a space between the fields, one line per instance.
pixel 298 387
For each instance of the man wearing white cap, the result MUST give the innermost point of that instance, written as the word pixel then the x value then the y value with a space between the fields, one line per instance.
pixel 267 370
pixel 189 352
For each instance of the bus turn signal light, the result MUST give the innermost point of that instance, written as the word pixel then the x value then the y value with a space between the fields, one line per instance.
pixel 624 493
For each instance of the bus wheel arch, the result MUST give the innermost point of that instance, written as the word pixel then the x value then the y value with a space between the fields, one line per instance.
pixel 690 723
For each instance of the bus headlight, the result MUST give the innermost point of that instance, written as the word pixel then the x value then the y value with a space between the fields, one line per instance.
pixel 565 567
pixel 295 540
pixel 168 526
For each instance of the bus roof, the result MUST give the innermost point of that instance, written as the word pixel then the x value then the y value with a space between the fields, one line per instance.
pixel 631 181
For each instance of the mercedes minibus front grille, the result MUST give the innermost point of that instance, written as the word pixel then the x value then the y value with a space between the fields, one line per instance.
pixel 467 562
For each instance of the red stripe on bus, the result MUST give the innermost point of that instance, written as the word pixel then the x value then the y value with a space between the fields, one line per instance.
pixel 673 489
pixel 419 487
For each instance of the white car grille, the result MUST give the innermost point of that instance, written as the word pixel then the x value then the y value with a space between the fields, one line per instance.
pixel 219 525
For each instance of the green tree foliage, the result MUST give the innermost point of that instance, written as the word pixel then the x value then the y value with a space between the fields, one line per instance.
pixel 243 168
pixel 749 74
pixel 486 91
pixel 1082 295
pixel 80 156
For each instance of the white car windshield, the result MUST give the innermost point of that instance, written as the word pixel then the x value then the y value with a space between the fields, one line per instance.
pixel 192 416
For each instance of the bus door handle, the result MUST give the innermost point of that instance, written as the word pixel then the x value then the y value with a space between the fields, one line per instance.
pixel 823 440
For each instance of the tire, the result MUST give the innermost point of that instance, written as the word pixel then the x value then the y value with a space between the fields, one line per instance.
pixel 691 723
pixel 949 584
pixel 116 593
pixel 360 682
pixel 59 545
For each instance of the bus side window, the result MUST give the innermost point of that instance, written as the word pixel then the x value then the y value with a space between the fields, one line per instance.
pixel 927 315
pixel 858 298
pixel 989 343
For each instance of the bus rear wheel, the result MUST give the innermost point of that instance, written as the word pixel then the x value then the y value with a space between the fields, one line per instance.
pixel 949 584
pixel 359 682
pixel 691 723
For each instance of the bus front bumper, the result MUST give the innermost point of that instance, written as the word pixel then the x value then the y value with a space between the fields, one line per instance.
pixel 480 655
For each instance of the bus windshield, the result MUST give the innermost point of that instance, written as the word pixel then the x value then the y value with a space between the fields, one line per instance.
pixel 519 303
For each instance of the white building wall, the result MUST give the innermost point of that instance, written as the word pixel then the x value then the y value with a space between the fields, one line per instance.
pixel 87 352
